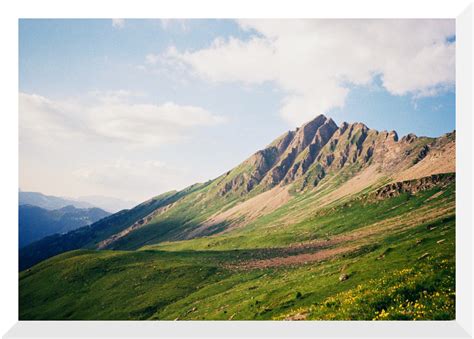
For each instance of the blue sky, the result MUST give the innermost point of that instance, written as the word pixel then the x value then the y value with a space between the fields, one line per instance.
pixel 132 108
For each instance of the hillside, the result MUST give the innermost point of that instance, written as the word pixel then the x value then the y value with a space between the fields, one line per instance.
pixel 299 226
pixel 36 223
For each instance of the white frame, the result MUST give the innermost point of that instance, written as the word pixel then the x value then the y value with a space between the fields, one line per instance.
pixel 462 327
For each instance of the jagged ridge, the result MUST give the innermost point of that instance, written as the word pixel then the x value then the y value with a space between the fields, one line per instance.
pixel 321 147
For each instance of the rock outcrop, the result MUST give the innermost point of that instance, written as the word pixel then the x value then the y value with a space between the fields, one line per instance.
pixel 414 186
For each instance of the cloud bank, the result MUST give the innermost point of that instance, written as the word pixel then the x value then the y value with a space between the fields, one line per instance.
pixel 315 62
pixel 105 143
pixel 110 116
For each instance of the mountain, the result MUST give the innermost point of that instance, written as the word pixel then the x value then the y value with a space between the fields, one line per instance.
pixel 36 222
pixel 329 161
pixel 49 202
pixel 320 157
pixel 318 211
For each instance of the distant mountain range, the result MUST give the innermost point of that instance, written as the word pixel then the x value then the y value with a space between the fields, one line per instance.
pixel 50 202
pixel 36 223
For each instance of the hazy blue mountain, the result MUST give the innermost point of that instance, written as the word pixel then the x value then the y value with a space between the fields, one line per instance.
pixel 49 202
pixel 90 236
pixel 36 223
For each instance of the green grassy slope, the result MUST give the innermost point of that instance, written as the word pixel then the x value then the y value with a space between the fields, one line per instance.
pixel 301 219
pixel 395 258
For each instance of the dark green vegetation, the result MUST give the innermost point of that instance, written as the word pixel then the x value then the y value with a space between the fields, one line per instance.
pixel 326 222
pixel 36 222
pixel 391 269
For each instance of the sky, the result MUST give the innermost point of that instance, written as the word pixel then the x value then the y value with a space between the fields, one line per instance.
pixel 133 108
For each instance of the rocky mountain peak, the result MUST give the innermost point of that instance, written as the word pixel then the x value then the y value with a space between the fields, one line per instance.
pixel 393 135
pixel 306 133
pixel 318 148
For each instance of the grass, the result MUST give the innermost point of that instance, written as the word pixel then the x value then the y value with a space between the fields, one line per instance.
pixel 401 268
pixel 425 291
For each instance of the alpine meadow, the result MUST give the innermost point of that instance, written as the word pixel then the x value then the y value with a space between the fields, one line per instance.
pixel 331 220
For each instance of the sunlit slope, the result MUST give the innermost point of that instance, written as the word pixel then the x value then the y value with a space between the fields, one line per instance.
pixel 304 260
pixel 317 165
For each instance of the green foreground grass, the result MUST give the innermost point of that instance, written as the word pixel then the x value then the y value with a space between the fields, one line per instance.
pixel 405 271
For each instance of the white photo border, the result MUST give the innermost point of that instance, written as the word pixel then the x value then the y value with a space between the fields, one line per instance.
pixel 461 10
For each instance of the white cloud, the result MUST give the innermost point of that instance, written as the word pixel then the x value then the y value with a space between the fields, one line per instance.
pixel 314 61
pixel 70 147
pixel 118 23
pixel 109 115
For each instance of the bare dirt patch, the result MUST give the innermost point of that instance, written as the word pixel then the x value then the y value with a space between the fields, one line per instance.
pixel 293 259
pixel 246 211
pixel 298 316
pixel 434 196
pixel 364 179
pixel 319 250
